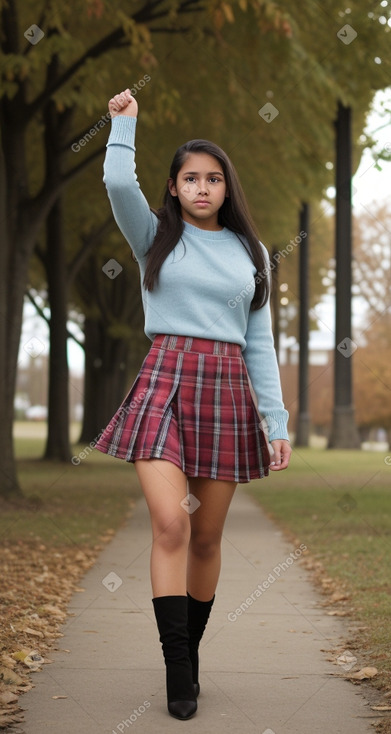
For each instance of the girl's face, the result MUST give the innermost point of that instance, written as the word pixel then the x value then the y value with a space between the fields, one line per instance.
pixel 201 189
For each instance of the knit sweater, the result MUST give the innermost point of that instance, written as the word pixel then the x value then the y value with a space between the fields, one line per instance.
pixel 205 285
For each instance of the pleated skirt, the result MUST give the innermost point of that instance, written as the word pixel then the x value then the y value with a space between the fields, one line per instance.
pixel 191 404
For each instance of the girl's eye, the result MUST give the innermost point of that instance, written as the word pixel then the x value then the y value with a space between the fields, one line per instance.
pixel 213 179
pixel 190 179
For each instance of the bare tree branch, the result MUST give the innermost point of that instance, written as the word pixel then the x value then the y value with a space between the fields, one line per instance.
pixel 43 316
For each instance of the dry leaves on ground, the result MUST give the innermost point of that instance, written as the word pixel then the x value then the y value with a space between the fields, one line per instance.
pixel 36 585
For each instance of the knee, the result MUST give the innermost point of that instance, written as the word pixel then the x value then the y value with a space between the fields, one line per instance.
pixel 172 534
pixel 205 545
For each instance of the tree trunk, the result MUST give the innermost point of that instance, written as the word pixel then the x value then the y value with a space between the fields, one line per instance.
pixel 344 432
pixel 9 486
pixel 58 443
pixel 105 378
pixel 18 229
pixel 303 417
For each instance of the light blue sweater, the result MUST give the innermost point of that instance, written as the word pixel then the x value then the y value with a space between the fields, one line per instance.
pixel 205 285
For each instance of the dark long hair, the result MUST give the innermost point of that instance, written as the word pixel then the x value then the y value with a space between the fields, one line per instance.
pixel 233 214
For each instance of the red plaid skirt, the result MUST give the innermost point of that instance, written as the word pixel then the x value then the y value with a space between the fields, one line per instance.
pixel 191 404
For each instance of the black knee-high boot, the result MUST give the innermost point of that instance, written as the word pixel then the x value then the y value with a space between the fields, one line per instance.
pixel 171 618
pixel 197 617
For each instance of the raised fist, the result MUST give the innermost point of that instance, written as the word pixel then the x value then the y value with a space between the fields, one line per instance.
pixel 123 104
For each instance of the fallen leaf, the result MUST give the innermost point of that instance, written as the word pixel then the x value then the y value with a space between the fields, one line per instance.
pixel 381 708
pixel 9 718
pixel 30 631
pixel 54 611
pixel 339 613
pixel 364 673
pixel 9 676
pixel 338 596
pixel 8 697
pixel 56 697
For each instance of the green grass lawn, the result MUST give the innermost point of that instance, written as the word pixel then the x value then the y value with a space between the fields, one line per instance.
pixel 339 504
pixel 67 504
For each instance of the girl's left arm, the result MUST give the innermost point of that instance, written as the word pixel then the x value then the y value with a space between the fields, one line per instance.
pixel 261 362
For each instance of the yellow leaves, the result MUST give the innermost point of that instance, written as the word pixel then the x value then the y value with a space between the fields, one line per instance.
pixel 364 673
pixel 223 13
pixel 138 34
pixel 227 10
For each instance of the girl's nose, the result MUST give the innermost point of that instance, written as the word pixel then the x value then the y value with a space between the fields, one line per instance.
pixel 203 187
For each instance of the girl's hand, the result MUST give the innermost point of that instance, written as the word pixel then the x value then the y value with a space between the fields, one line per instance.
pixel 123 104
pixel 282 453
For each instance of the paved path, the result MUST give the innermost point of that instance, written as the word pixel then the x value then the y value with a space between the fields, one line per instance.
pixel 263 673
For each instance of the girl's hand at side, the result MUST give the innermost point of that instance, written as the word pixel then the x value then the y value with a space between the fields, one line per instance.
pixel 282 453
pixel 123 104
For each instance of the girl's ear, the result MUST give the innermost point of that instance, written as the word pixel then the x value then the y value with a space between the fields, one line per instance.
pixel 172 187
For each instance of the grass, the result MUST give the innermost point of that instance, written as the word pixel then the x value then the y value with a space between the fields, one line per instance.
pixel 67 504
pixel 339 504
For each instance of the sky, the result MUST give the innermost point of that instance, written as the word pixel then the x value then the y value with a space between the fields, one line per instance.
pixel 371 183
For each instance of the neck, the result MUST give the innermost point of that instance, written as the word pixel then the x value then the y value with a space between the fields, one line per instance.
pixel 211 224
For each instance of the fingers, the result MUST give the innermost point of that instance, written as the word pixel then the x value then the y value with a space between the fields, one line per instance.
pixel 281 455
pixel 119 101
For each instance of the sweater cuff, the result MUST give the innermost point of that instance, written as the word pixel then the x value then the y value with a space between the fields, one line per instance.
pixel 123 129
pixel 274 426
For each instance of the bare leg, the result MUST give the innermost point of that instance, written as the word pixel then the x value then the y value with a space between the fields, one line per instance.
pixel 207 524
pixel 164 486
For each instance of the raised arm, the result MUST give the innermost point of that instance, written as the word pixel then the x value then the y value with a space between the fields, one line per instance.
pixel 130 208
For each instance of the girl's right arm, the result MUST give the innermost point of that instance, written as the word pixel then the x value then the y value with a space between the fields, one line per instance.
pixel 130 207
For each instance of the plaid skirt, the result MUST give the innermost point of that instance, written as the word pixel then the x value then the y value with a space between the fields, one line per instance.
pixel 191 404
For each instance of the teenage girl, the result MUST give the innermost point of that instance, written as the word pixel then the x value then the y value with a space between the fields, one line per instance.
pixel 191 423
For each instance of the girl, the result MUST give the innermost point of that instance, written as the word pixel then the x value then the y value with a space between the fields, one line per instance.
pixel 190 423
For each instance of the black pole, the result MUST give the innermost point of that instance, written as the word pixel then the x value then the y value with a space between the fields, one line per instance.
pixel 344 433
pixel 303 418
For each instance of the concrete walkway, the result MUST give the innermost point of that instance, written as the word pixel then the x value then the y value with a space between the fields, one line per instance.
pixel 262 671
